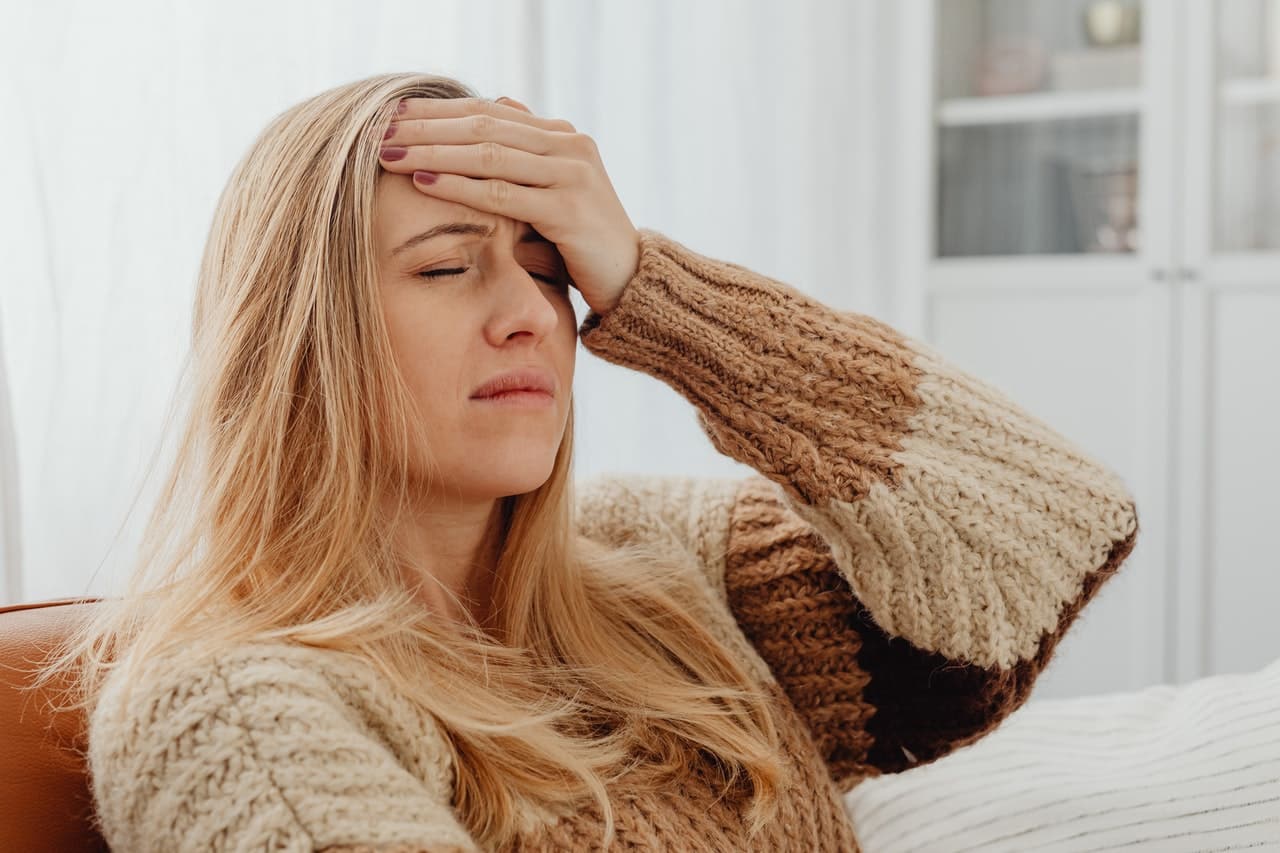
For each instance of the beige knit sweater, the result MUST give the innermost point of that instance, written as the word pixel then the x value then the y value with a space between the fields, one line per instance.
pixel 897 574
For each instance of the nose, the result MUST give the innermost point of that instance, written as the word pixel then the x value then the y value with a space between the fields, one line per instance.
pixel 521 304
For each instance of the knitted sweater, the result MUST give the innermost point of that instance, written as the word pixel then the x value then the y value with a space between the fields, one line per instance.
pixel 896 575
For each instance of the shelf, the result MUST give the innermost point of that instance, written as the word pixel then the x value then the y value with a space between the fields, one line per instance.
pixel 1252 90
pixel 1040 106
pixel 1100 271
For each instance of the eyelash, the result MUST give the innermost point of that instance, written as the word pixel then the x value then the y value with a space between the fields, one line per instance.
pixel 452 271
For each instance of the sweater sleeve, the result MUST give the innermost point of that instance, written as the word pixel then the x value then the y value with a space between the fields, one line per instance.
pixel 915 544
pixel 259 750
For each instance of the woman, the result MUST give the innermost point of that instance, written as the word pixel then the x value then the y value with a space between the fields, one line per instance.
pixel 374 616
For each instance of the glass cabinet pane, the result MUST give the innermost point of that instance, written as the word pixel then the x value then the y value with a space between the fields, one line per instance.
pixel 1247 161
pixel 1038 117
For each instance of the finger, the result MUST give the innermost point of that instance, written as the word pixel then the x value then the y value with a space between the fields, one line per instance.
pixel 482 160
pixel 455 107
pixel 526 204
pixel 512 102
pixel 460 131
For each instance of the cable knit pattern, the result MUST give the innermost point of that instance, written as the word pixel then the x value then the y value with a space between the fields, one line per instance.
pixel 896 577
pixel 271 747
pixel 694 818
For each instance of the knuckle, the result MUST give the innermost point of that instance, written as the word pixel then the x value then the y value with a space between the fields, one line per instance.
pixel 481 124
pixel 584 145
pixel 498 193
pixel 490 153
pixel 563 126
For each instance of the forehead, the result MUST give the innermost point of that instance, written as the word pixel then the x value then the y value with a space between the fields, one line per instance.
pixel 401 213
pixel 400 210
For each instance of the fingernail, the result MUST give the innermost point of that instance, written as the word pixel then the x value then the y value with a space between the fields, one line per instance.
pixel 427 178
pixel 391 131
pixel 392 154
pixel 401 107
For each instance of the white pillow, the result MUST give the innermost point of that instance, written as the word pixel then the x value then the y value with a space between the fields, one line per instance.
pixel 1187 767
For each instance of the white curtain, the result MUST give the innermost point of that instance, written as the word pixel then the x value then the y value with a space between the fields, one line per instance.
pixel 750 130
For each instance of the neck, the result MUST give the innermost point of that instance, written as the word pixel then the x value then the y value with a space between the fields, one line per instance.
pixel 449 555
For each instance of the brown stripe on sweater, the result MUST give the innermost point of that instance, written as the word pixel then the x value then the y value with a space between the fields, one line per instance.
pixel 815 399
pixel 811 812
pixel 868 699
pixel 812 455
pixel 393 848
pixel 801 617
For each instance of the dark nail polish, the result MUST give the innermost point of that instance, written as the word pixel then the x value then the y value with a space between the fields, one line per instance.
pixel 391 131
pixel 427 178
pixel 393 154
pixel 401 107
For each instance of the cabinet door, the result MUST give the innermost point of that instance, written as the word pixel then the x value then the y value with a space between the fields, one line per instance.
pixel 1234 104
pixel 1228 354
pixel 1049 134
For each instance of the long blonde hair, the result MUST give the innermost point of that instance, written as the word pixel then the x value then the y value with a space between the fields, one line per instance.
pixel 269 526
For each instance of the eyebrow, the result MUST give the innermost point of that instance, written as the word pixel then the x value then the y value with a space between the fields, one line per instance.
pixel 530 235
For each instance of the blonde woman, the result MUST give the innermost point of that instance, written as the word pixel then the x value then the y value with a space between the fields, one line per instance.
pixel 374 613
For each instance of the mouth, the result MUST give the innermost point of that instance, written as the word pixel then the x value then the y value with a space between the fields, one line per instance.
pixel 530 384
pixel 519 397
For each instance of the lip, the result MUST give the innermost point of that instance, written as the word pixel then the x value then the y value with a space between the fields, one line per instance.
pixel 521 379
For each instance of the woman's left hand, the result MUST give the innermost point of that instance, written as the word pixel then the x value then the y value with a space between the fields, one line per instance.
pixel 502 159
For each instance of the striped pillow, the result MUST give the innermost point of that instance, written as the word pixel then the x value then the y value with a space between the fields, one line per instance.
pixel 1169 767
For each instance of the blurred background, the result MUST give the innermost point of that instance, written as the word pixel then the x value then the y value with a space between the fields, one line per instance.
pixel 1076 200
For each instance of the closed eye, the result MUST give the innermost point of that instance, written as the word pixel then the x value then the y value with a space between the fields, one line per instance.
pixel 452 271
pixel 442 273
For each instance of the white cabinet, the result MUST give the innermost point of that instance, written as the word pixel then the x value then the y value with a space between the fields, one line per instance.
pixel 1087 214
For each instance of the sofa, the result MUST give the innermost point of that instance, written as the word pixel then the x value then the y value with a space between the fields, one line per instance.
pixel 45 802
pixel 1188 767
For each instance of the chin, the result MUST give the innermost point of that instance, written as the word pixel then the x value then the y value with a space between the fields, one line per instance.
pixel 520 487
pixel 506 479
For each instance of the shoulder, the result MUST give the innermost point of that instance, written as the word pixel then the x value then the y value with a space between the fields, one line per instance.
pixel 257 683
pixel 690 515
pixel 297 742
pixel 172 690
pixel 702 519
pixel 645 506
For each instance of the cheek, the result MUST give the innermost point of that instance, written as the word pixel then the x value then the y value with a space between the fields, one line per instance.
pixel 568 312
pixel 433 370
pixel 568 328
pixel 422 355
